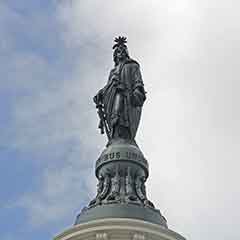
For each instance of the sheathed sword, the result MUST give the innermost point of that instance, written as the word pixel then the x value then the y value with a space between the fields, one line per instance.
pixel 102 125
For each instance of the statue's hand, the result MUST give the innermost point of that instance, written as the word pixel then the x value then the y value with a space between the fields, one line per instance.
pixel 138 98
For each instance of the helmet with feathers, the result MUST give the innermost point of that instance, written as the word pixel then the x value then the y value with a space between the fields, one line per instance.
pixel 120 46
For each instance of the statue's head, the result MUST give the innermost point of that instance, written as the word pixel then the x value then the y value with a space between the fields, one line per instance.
pixel 120 52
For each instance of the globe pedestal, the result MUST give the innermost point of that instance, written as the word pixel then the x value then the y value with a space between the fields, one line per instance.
pixel 122 171
pixel 118 229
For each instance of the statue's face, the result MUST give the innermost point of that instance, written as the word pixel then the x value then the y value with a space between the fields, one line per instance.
pixel 120 54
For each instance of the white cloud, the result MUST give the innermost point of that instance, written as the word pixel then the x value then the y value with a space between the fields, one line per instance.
pixel 61 194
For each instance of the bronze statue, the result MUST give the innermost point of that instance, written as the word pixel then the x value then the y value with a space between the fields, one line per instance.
pixel 120 102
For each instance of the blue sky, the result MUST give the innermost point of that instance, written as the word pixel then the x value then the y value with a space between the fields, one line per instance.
pixel 32 62
pixel 55 55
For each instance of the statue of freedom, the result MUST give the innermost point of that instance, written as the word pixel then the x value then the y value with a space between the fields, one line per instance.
pixel 120 102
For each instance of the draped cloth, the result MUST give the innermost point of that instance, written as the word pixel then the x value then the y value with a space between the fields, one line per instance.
pixel 123 98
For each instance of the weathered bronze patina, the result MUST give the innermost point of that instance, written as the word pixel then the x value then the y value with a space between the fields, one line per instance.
pixel 120 101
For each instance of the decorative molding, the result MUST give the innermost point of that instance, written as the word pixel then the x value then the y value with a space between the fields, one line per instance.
pixel 101 236
pixel 116 226
pixel 138 236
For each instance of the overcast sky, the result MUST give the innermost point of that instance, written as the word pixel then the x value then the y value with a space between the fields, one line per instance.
pixel 56 54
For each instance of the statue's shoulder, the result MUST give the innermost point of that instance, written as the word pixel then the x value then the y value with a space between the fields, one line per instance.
pixel 132 64
pixel 132 61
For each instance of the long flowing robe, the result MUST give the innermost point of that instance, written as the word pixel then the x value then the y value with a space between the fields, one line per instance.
pixel 123 81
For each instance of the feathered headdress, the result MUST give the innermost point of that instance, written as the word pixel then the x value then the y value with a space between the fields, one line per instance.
pixel 120 41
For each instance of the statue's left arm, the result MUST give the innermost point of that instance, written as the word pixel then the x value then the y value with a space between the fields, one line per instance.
pixel 138 95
